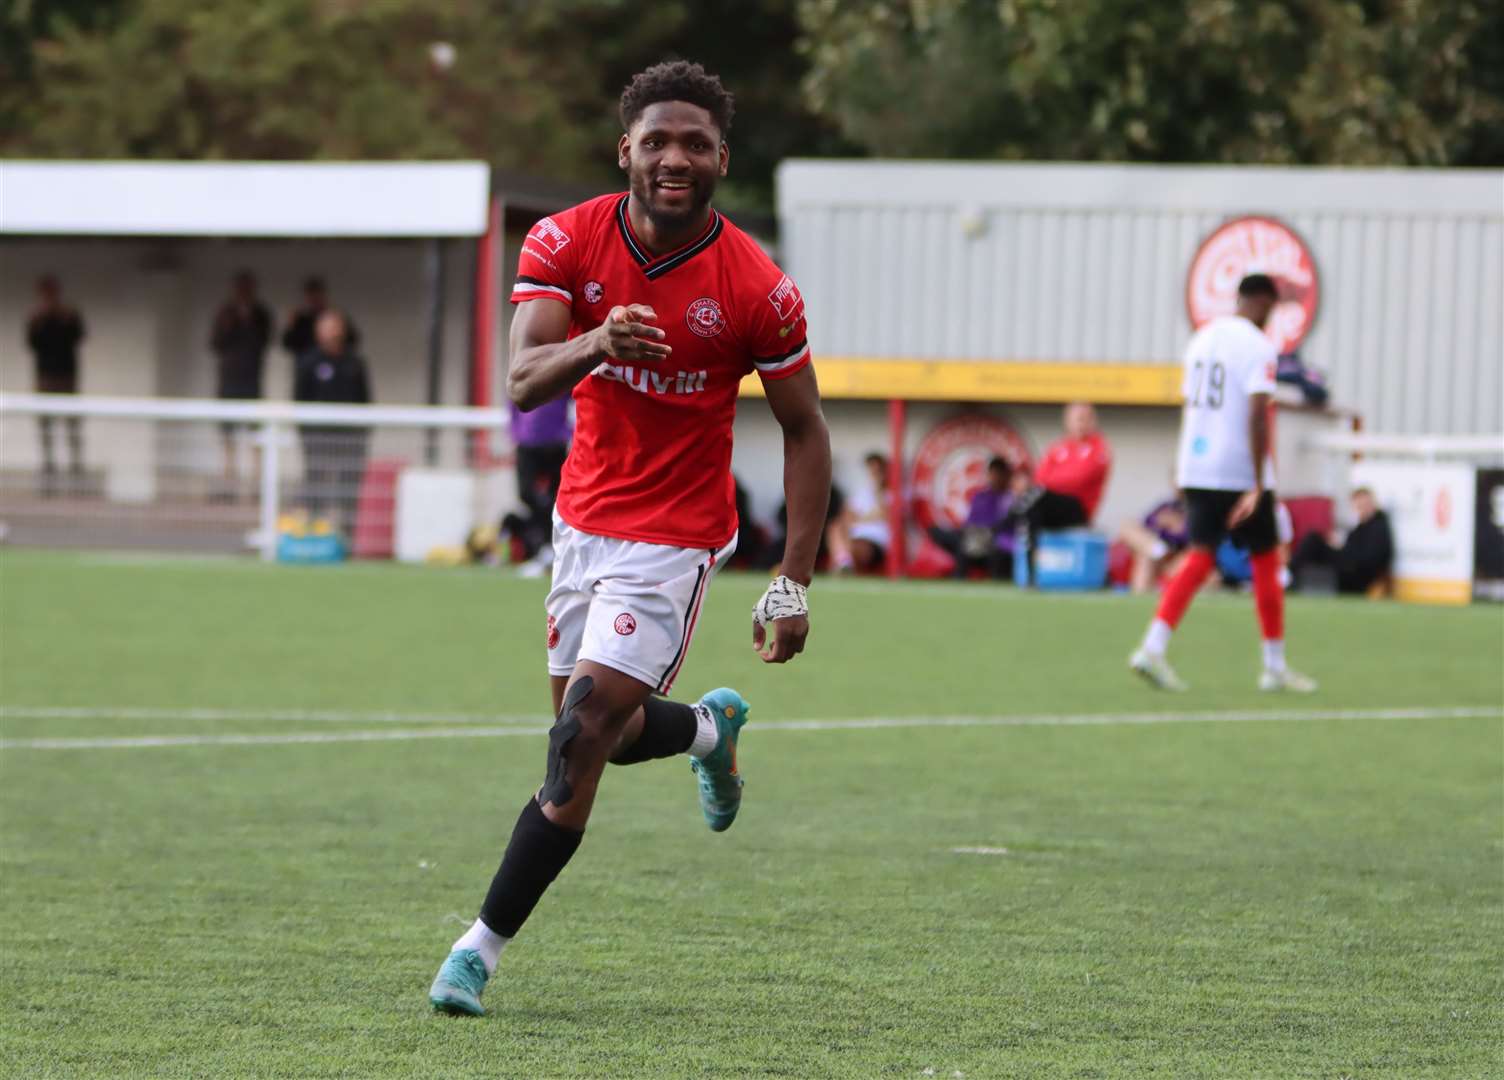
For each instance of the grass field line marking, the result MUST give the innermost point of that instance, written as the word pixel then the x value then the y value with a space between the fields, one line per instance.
pixel 131 742
pixel 979 851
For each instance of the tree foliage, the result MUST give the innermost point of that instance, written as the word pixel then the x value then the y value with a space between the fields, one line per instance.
pixel 1278 81
pixel 532 86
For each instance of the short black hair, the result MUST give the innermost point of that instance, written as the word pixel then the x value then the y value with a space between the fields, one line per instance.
pixel 1258 285
pixel 677 80
pixel 1000 463
pixel 314 284
pixel 875 458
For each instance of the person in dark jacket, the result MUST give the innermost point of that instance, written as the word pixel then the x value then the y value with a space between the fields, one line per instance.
pixel 242 331
pixel 334 458
pixel 1364 558
pixel 300 334
pixel 54 333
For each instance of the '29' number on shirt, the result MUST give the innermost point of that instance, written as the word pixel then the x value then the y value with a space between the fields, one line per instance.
pixel 1210 380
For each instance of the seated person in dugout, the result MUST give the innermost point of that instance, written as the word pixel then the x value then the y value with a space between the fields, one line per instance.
pixel 1364 558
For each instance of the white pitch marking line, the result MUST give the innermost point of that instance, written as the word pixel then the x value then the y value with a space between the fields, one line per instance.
pixel 979 851
pixel 129 742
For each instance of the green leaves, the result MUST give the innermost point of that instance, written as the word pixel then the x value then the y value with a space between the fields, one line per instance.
pixel 1309 81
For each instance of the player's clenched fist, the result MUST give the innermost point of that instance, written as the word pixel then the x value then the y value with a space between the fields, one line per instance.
pixel 785 609
pixel 627 336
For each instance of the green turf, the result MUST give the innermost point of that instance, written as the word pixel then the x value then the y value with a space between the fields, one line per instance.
pixel 1278 898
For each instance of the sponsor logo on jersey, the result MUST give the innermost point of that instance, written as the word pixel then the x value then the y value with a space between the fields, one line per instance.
pixel 648 381
pixel 553 632
pixel 594 291
pixel 549 235
pixel 951 466
pixel 705 317
pixel 537 253
pixel 1255 245
pixel 625 625
pixel 785 298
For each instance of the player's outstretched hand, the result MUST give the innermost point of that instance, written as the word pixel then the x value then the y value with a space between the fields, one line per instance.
pixel 629 337
pixel 1243 509
pixel 787 640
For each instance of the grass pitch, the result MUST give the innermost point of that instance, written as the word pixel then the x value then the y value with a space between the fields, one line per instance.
pixel 1215 884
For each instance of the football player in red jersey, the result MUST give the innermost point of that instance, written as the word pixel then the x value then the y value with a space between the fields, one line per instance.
pixel 650 308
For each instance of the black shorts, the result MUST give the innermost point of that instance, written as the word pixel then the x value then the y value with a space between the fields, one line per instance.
pixel 1207 510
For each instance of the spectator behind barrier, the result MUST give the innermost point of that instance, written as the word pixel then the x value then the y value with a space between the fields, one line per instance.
pixel 300 334
pixel 242 331
pixel 1363 561
pixel 1069 479
pixel 542 438
pixel 1156 543
pixel 983 541
pixel 334 458
pixel 859 538
pixel 54 333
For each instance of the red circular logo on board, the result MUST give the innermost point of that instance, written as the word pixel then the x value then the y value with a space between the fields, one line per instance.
pixel 1255 245
pixel 553 632
pixel 705 317
pixel 625 625
pixel 951 465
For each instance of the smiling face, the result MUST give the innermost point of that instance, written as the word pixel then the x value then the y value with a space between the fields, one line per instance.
pixel 673 157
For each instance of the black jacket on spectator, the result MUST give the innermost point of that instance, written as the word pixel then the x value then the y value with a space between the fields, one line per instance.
pixel 240 339
pixel 298 338
pixel 1364 557
pixel 1366 554
pixel 54 339
pixel 332 380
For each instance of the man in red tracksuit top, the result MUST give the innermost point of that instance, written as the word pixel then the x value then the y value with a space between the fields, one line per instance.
pixel 1069 479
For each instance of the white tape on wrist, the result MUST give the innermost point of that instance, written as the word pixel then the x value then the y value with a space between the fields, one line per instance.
pixel 784 599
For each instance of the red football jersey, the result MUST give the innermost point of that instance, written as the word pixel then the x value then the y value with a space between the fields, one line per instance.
pixel 651 459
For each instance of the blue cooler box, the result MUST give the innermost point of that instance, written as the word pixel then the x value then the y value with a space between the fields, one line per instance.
pixel 326 548
pixel 1069 559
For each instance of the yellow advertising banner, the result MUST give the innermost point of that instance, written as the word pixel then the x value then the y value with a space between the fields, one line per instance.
pixel 883 378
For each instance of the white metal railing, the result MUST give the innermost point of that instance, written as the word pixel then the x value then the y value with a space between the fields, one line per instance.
pixel 1424 447
pixel 273 423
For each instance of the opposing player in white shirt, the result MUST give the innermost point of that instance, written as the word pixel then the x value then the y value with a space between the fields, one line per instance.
pixel 1227 476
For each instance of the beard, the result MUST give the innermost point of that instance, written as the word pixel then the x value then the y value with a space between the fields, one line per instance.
pixel 669 218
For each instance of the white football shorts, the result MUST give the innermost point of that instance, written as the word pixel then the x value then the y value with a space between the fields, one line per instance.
pixel 627 605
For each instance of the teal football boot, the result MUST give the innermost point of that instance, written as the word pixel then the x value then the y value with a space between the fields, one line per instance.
pixel 457 987
pixel 720 783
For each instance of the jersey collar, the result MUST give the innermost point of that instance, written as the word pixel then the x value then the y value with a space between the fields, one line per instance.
pixel 655 268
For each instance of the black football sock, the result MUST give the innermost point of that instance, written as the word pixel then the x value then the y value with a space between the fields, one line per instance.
pixel 668 729
pixel 538 850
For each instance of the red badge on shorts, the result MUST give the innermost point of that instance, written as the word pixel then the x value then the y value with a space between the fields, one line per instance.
pixel 553 632
pixel 625 624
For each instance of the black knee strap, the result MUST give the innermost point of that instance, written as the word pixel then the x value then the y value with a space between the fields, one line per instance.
pixel 556 787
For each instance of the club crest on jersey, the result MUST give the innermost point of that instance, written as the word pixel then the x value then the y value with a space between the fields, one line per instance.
pixel 594 292
pixel 626 626
pixel 553 632
pixel 785 298
pixel 705 317
pixel 549 235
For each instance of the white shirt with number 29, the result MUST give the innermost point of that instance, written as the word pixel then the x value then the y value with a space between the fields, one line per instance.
pixel 1227 361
